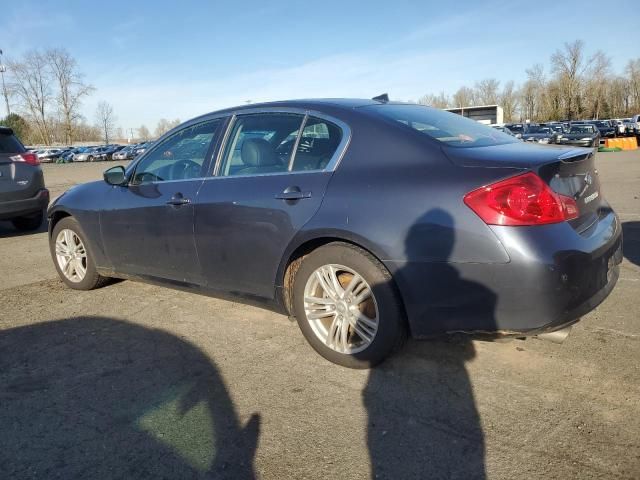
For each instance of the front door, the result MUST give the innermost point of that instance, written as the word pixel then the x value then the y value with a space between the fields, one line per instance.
pixel 147 229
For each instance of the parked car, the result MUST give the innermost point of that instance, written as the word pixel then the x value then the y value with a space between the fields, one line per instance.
pixel 518 129
pixel 620 127
pixel 127 153
pixel 106 153
pixel 503 129
pixel 579 134
pixel 555 126
pixel 629 128
pixel 605 127
pixel 23 196
pixel 92 154
pixel 537 133
pixel 635 122
pixel 49 154
pixel 141 148
pixel 366 220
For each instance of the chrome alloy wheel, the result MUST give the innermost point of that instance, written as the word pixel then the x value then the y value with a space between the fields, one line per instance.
pixel 71 255
pixel 341 308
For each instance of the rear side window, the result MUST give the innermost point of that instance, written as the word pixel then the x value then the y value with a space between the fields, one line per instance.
pixel 448 128
pixel 260 144
pixel 317 145
pixel 10 144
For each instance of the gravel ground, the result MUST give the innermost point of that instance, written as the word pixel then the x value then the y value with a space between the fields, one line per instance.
pixel 137 381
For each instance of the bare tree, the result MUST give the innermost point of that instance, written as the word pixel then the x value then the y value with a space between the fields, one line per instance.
pixel 436 101
pixel 143 133
pixel 464 97
pixel 71 89
pixel 31 84
pixel 487 91
pixel 633 77
pixel 105 119
pixel 509 101
pixel 165 125
pixel 569 66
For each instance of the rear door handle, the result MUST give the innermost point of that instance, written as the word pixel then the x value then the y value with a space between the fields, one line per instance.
pixel 292 193
pixel 178 200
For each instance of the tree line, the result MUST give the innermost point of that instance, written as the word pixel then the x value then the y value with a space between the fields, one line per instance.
pixel 44 94
pixel 573 86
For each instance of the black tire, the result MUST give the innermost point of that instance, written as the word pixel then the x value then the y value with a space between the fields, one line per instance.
pixel 392 330
pixel 92 278
pixel 90 159
pixel 31 222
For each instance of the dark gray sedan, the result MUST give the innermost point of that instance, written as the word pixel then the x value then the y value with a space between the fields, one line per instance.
pixel 365 220
pixel 580 135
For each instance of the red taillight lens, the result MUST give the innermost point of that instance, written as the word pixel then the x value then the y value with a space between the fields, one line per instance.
pixel 521 200
pixel 30 158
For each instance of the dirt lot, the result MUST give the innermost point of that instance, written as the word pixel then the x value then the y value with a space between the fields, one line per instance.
pixel 136 381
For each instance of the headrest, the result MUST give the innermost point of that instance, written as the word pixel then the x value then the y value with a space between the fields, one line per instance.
pixel 258 152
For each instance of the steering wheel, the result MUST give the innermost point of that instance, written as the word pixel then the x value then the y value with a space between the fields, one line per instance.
pixel 185 169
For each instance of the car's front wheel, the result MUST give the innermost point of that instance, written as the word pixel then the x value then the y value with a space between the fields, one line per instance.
pixel 347 306
pixel 72 257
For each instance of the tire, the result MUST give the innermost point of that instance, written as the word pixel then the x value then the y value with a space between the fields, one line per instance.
pixel 91 279
pixel 90 159
pixel 383 307
pixel 31 222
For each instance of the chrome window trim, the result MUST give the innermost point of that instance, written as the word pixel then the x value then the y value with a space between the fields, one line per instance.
pixel 331 166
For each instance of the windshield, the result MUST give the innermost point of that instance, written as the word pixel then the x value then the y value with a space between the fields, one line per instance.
pixel 538 129
pixel 602 124
pixel 581 129
pixel 448 128
pixel 518 128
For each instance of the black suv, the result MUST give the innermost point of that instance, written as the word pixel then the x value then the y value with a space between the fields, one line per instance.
pixel 23 198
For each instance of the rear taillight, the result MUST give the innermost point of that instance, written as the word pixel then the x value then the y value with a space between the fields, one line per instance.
pixel 521 200
pixel 30 158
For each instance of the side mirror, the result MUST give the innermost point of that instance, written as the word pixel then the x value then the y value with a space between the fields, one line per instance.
pixel 114 175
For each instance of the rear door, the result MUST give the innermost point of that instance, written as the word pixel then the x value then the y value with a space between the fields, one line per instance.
pixel 270 180
pixel 147 226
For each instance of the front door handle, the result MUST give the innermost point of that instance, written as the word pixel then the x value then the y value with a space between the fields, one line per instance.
pixel 292 193
pixel 178 199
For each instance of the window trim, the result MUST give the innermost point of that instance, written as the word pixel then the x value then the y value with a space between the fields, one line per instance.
pixel 331 166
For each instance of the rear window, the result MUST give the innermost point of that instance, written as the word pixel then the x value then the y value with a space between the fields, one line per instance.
pixel 10 144
pixel 448 128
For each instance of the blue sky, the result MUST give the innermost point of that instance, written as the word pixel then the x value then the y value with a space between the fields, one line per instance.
pixel 178 59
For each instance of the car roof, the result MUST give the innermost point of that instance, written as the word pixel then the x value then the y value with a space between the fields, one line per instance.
pixel 311 103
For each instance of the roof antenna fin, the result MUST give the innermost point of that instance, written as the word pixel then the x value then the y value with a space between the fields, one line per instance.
pixel 384 98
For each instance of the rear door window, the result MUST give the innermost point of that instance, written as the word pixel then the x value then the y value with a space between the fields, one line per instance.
pixel 317 146
pixel 261 144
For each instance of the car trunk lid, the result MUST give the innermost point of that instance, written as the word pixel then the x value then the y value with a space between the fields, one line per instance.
pixel 568 171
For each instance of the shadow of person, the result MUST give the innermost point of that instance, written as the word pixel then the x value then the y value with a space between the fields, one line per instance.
pixel 422 418
pixel 631 244
pixel 100 398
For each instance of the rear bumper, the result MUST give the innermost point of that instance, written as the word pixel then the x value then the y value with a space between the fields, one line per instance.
pixel 27 206
pixel 554 277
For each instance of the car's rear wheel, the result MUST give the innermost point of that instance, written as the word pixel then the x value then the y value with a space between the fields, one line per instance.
pixel 347 306
pixel 30 222
pixel 72 257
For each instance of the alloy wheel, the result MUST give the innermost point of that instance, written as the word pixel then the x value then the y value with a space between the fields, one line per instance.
pixel 71 255
pixel 341 308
